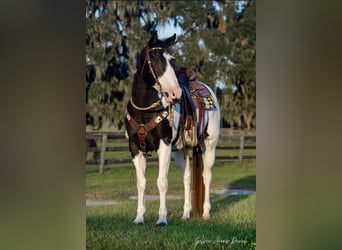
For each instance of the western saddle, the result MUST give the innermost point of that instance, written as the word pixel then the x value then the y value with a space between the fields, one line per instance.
pixel 195 96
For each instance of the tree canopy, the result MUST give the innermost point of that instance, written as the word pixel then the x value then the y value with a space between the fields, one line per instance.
pixel 216 38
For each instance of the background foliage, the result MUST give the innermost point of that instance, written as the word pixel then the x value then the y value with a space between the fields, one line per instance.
pixel 215 38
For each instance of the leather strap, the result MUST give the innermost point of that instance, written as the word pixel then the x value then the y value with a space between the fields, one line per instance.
pixel 142 129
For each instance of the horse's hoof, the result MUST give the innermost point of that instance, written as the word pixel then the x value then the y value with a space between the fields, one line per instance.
pixel 161 224
pixel 185 218
pixel 206 217
pixel 138 222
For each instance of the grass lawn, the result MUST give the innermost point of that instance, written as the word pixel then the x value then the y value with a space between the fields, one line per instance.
pixel 233 223
pixel 232 226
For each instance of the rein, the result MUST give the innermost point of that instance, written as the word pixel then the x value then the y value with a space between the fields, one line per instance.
pixel 148 60
pixel 153 105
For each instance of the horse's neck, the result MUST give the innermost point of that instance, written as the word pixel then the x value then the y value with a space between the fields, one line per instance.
pixel 142 94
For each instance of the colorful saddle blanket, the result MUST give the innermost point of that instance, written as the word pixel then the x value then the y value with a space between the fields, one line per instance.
pixel 198 90
pixel 201 95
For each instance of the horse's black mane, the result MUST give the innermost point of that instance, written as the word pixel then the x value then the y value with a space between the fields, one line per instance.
pixel 140 59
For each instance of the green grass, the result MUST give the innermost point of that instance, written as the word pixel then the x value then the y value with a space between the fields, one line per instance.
pixel 119 181
pixel 233 223
pixel 232 226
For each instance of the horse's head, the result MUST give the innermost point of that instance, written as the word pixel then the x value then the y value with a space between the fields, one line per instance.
pixel 158 59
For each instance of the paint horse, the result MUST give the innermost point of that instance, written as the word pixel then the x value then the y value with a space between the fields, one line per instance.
pixel 153 122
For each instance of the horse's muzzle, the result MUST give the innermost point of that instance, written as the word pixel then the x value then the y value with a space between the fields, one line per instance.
pixel 173 94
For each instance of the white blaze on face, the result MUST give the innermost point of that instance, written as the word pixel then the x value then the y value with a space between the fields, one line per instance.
pixel 169 82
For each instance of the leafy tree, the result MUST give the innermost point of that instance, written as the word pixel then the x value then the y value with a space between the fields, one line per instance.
pixel 218 42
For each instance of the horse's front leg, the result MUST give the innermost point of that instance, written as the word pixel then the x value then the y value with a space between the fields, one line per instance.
pixel 164 153
pixel 140 166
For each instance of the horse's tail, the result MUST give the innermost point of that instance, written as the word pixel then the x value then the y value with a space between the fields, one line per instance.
pixel 197 181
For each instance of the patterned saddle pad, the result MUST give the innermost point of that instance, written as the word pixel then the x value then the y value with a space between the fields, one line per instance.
pixel 199 90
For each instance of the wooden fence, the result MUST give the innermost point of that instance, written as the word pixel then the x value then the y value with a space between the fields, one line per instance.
pixel 101 138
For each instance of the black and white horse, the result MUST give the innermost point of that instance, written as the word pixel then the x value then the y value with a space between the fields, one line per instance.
pixel 152 124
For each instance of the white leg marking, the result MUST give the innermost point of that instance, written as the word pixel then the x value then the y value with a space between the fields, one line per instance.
pixel 186 175
pixel 209 158
pixel 140 167
pixel 207 182
pixel 164 153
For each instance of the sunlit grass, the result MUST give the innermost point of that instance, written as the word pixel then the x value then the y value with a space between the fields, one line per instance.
pixel 233 220
pixel 233 223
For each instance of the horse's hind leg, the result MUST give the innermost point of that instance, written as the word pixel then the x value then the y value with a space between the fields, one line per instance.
pixel 209 147
pixel 208 162
pixel 140 166
pixel 184 166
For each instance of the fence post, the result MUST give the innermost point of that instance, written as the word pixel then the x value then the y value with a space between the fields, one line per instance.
pixel 103 153
pixel 242 142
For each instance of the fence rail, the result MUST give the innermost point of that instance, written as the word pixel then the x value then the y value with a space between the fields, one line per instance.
pixel 242 137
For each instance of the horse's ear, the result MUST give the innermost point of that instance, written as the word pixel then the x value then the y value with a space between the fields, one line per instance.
pixel 153 40
pixel 171 40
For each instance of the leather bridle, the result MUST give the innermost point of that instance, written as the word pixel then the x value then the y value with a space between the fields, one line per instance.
pixel 150 67
pixel 149 62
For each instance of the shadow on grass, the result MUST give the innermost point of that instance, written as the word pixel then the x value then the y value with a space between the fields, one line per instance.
pixel 247 183
pixel 222 202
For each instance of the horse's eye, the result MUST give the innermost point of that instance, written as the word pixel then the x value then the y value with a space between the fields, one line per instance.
pixel 154 54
